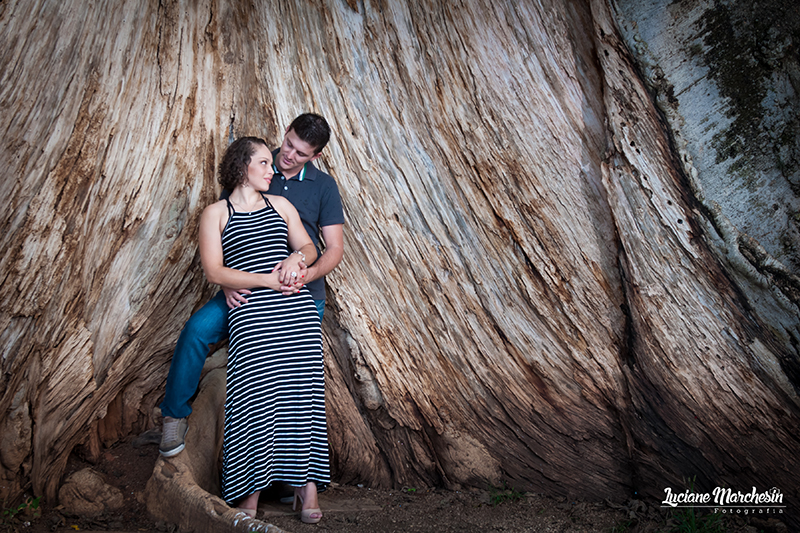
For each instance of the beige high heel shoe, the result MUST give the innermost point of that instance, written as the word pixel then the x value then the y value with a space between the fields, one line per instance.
pixel 305 514
pixel 249 512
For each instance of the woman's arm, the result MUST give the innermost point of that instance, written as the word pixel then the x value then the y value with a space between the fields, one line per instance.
pixel 212 223
pixel 298 241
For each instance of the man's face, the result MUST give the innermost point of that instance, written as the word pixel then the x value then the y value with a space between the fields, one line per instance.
pixel 294 153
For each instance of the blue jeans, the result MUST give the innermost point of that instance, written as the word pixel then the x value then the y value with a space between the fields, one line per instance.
pixel 207 326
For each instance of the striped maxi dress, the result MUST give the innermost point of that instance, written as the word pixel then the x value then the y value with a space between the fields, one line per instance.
pixel 275 428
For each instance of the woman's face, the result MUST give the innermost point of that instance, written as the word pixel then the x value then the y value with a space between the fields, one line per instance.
pixel 259 171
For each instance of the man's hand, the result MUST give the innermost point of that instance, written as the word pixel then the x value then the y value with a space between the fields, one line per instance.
pixel 235 298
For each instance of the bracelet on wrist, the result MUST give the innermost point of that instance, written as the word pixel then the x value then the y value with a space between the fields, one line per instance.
pixel 301 254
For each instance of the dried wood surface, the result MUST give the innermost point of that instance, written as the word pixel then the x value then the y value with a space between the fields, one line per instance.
pixel 528 294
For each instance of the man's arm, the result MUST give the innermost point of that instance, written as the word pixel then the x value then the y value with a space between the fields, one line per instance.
pixel 332 256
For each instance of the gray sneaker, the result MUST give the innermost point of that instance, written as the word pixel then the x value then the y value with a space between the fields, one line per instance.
pixel 172 436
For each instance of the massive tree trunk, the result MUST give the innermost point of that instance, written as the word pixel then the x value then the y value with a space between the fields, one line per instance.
pixel 533 289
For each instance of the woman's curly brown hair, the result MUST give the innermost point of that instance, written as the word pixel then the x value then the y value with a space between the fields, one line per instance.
pixel 233 167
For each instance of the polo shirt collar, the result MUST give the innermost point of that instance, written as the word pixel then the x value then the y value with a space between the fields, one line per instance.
pixel 303 174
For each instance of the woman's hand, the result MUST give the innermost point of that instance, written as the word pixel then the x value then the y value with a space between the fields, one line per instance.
pixel 292 270
pixel 290 284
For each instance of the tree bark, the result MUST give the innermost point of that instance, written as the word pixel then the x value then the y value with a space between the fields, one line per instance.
pixel 531 291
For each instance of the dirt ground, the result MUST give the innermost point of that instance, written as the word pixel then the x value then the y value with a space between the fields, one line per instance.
pixel 363 510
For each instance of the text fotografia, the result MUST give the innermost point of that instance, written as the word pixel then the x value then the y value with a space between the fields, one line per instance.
pixel 725 500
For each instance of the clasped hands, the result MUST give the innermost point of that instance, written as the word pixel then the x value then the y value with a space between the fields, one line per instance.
pixel 291 274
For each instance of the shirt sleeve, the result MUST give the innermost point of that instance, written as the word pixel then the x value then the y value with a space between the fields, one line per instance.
pixel 330 211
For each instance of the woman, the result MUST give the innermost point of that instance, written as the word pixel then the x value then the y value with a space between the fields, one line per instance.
pixel 275 428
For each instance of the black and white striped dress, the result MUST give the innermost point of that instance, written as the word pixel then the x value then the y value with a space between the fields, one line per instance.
pixel 275 427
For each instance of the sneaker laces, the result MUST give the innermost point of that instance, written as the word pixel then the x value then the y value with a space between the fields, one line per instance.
pixel 171 430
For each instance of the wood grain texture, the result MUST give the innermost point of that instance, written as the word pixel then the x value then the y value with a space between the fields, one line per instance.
pixel 527 294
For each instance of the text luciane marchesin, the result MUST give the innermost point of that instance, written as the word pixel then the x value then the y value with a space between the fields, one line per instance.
pixel 725 497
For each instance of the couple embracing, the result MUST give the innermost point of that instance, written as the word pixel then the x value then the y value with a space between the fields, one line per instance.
pixel 260 242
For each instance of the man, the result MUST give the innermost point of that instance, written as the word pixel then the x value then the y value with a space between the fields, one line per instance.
pixel 316 198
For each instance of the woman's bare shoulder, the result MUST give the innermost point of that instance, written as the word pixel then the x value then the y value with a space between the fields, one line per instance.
pixel 219 206
pixel 215 211
pixel 214 216
pixel 279 202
